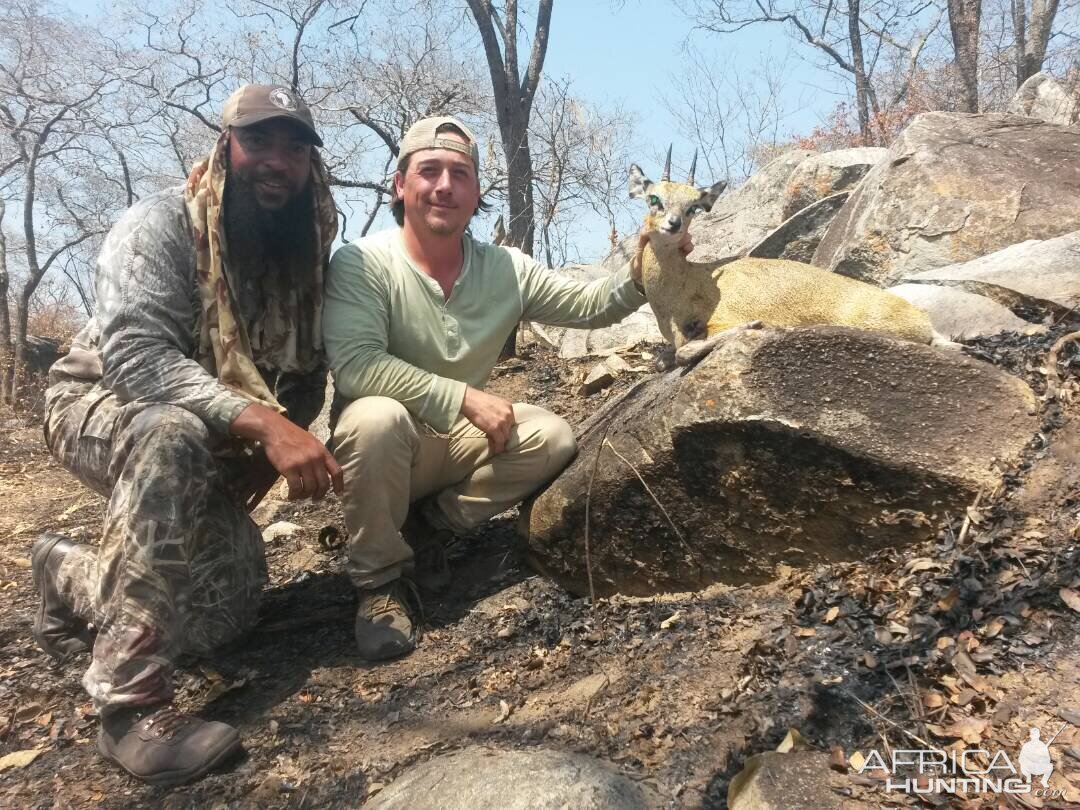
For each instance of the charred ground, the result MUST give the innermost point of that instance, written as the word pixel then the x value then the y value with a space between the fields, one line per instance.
pixel 971 636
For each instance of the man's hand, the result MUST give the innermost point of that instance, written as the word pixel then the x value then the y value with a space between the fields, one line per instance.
pixel 493 415
pixel 686 247
pixel 306 464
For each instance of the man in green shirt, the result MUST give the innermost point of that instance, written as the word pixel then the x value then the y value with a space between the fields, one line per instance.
pixel 414 321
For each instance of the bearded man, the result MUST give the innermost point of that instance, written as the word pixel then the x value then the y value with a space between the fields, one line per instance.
pixel 182 401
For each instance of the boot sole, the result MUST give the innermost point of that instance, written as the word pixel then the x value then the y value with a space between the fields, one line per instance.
pixel 37 568
pixel 174 778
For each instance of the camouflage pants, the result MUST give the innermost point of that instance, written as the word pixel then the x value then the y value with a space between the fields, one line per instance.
pixel 180 567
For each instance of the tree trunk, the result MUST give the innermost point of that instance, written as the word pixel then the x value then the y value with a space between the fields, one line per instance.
pixel 18 366
pixel 514 95
pixel 6 355
pixel 861 100
pixel 521 228
pixel 1032 33
pixel 964 19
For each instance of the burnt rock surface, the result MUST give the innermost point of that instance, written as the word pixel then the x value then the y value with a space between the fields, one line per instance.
pixel 790 446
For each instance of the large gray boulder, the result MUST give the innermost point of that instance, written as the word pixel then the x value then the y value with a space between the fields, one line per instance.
pixel 1034 273
pixel 1044 97
pixel 960 315
pixel 821 176
pixel 794 446
pixel 955 187
pixel 798 236
pixel 488 779
pixel 745 216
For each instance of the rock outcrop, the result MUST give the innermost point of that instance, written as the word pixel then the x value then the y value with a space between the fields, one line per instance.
pixel 786 446
pixel 960 315
pixel 1044 97
pixel 955 187
pixel 1033 274
pixel 743 217
pixel 488 779
pixel 797 237
pixel 774 195
pixel 823 175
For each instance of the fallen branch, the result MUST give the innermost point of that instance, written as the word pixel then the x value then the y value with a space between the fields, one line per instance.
pixel 965 527
pixel 588 505
pixel 1053 379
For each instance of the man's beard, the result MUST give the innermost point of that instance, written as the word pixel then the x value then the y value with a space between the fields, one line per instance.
pixel 259 239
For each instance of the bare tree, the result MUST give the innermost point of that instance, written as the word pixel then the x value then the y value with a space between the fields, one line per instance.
pixel 513 98
pixel 579 163
pixel 874 43
pixel 47 109
pixel 732 113
pixel 414 71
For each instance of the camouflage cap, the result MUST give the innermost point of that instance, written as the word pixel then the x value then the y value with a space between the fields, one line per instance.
pixel 253 103
pixel 424 134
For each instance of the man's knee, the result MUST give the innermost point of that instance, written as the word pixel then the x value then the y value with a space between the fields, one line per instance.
pixel 549 433
pixel 169 424
pixel 370 422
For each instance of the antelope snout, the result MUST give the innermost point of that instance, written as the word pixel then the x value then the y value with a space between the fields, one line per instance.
pixel 673 224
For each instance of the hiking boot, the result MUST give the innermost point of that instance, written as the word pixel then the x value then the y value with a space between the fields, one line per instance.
pixel 57 630
pixel 431 567
pixel 386 620
pixel 163 746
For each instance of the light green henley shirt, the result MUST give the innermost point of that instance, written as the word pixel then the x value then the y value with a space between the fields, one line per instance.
pixel 389 331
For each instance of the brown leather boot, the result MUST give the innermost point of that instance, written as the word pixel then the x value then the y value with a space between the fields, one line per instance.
pixel 57 630
pixel 163 746
pixel 386 620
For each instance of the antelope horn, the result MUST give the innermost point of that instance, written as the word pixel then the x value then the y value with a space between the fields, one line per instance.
pixel 667 165
pixel 693 165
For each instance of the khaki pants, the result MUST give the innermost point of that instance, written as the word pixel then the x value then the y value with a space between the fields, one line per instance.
pixel 391 461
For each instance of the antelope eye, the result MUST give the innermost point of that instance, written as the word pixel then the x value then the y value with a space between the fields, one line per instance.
pixel 654 201
pixel 693 209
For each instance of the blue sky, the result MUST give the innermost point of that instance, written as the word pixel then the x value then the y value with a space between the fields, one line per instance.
pixel 628 54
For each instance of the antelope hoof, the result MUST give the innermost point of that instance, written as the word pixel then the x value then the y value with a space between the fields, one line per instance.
pixel 694 351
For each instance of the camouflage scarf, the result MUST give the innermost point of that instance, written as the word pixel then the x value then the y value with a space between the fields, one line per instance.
pixel 291 336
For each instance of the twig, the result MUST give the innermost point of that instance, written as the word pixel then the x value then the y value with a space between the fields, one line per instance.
pixel 1052 361
pixel 966 526
pixel 588 506
pixel 895 725
pixel 912 704
pixel 652 495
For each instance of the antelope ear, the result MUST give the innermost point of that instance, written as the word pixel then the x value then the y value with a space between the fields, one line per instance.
pixel 709 195
pixel 639 183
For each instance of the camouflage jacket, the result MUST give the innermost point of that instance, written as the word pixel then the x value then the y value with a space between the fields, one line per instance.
pixel 142 339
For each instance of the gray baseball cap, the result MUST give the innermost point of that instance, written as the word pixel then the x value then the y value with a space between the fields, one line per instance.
pixel 424 134
pixel 253 103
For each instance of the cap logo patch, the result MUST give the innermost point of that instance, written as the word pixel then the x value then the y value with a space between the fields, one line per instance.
pixel 280 97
